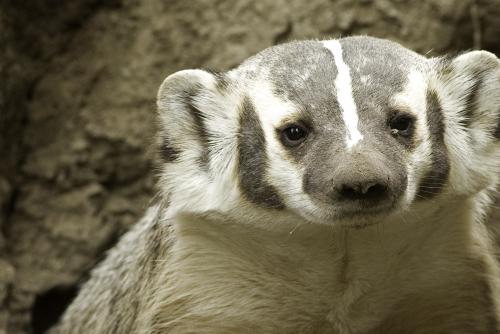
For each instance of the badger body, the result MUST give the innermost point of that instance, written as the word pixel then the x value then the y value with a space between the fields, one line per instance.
pixel 321 187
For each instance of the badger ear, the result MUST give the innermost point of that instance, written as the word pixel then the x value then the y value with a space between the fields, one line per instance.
pixel 468 91
pixel 191 110
pixel 472 84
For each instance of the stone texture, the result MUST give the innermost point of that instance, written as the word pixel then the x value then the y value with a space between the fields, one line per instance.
pixel 78 111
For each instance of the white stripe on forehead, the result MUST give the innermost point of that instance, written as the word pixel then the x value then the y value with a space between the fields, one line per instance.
pixel 345 99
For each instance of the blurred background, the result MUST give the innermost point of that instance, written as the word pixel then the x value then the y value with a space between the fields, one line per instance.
pixel 77 111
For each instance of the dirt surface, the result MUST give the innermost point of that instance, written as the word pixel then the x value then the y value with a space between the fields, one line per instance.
pixel 79 80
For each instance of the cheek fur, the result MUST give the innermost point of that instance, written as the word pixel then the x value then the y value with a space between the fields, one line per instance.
pixel 286 176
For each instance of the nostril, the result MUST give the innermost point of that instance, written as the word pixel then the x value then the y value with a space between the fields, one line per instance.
pixel 348 192
pixel 375 191
pixel 365 188
pixel 363 191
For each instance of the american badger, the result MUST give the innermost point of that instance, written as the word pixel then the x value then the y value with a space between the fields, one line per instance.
pixel 335 186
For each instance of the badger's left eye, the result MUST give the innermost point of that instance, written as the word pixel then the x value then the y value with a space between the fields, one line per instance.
pixel 402 125
pixel 293 135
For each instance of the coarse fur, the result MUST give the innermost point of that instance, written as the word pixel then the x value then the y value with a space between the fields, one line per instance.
pixel 371 222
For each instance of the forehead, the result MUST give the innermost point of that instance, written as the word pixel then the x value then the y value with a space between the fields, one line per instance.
pixel 305 72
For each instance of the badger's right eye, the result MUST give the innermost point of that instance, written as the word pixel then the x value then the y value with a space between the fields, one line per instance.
pixel 402 124
pixel 293 135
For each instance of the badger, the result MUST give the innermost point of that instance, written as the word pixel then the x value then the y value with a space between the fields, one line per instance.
pixel 327 187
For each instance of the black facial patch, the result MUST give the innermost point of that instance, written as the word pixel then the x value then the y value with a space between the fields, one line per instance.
pixel 434 181
pixel 167 152
pixel 253 160
pixel 199 125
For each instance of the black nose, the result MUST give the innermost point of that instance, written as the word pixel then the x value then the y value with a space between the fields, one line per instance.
pixel 366 190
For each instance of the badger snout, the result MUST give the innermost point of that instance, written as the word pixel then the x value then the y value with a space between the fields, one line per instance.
pixel 360 181
pixel 357 182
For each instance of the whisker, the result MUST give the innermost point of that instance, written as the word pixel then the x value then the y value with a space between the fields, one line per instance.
pixel 294 229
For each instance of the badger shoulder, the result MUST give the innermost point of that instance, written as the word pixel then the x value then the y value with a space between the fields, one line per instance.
pixel 112 297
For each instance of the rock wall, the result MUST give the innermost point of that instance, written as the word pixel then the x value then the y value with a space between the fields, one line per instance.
pixel 79 80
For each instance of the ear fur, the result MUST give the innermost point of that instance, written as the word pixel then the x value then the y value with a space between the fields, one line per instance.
pixel 183 99
pixel 468 87
pixel 197 137
pixel 473 81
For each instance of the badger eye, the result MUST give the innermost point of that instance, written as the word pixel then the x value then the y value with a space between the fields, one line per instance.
pixel 402 125
pixel 293 135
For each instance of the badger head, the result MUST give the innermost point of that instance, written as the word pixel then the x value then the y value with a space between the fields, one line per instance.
pixel 342 132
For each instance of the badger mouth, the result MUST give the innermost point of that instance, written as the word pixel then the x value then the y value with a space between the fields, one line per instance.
pixel 363 217
pixel 357 214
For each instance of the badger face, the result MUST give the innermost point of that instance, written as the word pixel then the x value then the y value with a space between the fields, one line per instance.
pixel 346 132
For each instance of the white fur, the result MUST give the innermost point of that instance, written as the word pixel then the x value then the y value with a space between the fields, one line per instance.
pixel 213 283
pixel 343 85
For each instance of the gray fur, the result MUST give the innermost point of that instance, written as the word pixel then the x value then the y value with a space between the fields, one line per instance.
pixel 386 65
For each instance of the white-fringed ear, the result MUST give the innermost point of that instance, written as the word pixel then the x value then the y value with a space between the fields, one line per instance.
pixel 198 114
pixel 468 87
pixel 189 103
pixel 182 101
pixel 472 81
